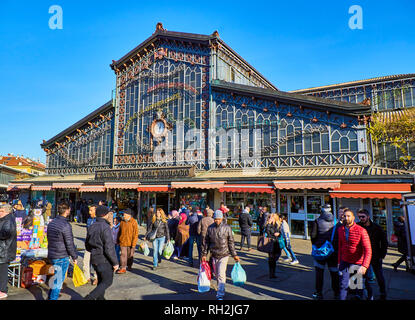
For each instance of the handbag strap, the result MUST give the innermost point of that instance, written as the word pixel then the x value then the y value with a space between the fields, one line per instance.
pixel 334 230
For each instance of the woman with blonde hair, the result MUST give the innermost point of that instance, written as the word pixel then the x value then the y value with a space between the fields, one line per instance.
pixel 273 231
pixel 158 233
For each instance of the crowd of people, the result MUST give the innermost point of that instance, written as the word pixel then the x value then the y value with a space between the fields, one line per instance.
pixel 357 249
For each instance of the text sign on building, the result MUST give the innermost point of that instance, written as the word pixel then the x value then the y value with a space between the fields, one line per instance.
pixel 145 174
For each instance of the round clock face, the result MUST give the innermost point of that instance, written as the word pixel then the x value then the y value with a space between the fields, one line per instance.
pixel 159 128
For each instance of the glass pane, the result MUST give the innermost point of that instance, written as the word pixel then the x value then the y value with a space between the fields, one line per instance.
pixel 379 212
pixel 283 204
pixel 335 147
pixel 307 143
pixel 325 141
pixel 297 227
pixel 297 204
pixel 313 204
pixel 344 143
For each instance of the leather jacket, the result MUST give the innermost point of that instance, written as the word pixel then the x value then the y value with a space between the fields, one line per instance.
pixel 219 240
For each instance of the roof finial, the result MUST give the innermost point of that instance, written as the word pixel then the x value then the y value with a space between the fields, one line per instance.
pixel 215 33
pixel 159 26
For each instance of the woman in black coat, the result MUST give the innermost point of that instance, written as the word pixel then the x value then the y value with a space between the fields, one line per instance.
pixel 400 232
pixel 273 231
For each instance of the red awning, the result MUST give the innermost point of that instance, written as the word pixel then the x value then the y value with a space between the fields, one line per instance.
pixel 249 188
pixel 66 185
pixel 198 185
pixel 92 188
pixel 122 185
pixel 371 190
pixel 307 184
pixel 18 186
pixel 153 188
pixel 41 188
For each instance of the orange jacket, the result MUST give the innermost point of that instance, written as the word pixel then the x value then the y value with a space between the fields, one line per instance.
pixel 128 235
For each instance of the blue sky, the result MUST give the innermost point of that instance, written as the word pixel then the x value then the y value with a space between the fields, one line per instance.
pixel 49 79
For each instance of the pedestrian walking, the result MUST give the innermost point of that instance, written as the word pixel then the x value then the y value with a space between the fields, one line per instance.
pixel 8 245
pixel 262 220
pixel 379 244
pixel 61 246
pixel 220 243
pixel 355 253
pixel 205 223
pixel 173 222
pixel 324 229
pixel 193 222
pixel 103 258
pixel 272 229
pixel 127 238
pixel 182 235
pixel 87 256
pixel 245 224
pixel 161 234
pixel 115 229
pixel 286 236
pixel 400 232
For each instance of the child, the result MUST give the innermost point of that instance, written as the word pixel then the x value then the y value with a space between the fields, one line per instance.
pixel 115 232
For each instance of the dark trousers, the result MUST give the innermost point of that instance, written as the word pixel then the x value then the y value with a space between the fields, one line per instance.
pixel 105 277
pixel 248 240
pixel 378 270
pixel 4 267
pixel 334 274
pixel 273 258
pixel 400 260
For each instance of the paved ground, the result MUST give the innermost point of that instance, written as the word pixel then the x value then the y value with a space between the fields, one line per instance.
pixel 175 280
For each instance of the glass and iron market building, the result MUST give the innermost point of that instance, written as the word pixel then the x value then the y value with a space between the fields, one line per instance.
pixel 191 122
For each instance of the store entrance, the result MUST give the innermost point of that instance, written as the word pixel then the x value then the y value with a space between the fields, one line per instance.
pixel 162 201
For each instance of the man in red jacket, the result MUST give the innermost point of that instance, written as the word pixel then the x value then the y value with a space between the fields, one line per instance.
pixel 355 253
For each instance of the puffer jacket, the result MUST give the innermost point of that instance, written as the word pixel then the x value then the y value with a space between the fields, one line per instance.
pixel 322 229
pixel 100 243
pixel 128 234
pixel 8 238
pixel 219 240
pixel 60 239
pixel 357 249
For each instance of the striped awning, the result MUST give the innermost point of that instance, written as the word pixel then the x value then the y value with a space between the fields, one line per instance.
pixel 307 184
pixel 153 188
pixel 372 190
pixel 122 185
pixel 198 185
pixel 248 188
pixel 92 188
pixel 41 188
pixel 66 185
pixel 18 186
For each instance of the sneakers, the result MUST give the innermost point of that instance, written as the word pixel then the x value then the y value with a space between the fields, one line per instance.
pixel 121 271
pixel 287 259
pixel 317 296
pixel 3 295
pixel 294 262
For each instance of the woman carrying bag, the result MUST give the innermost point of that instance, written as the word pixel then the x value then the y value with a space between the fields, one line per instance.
pixel 273 231
pixel 158 233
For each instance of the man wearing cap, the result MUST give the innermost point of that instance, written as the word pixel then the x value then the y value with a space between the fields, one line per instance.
pixel 245 224
pixel 103 257
pixel 127 239
pixel 219 241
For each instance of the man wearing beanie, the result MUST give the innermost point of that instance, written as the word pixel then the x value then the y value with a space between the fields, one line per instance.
pixel 219 241
pixel 103 257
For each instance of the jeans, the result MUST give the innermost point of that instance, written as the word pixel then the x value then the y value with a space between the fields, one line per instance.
pixel 346 285
pixel 334 274
pixel 158 244
pixel 192 240
pixel 78 216
pixel 4 267
pixel 378 271
pixel 117 252
pixel 55 283
pixel 288 251
pixel 105 277
pixel 248 240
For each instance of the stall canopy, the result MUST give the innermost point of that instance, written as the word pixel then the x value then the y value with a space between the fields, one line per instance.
pixel 92 188
pixel 41 188
pixel 153 188
pixel 18 186
pixel 373 191
pixel 307 184
pixel 249 188
pixel 66 185
pixel 122 185
pixel 198 185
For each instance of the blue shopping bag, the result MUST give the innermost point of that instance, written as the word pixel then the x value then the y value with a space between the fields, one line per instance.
pixel 238 275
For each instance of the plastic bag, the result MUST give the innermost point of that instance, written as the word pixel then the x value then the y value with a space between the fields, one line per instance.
pixel 78 277
pixel 146 250
pixel 168 250
pixel 203 279
pixel 238 275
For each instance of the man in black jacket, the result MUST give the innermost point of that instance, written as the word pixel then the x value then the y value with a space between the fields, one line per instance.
pixel 8 245
pixel 379 242
pixel 103 257
pixel 245 224
pixel 61 246
pixel 219 241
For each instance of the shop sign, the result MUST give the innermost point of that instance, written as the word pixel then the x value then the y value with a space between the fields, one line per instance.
pixel 154 174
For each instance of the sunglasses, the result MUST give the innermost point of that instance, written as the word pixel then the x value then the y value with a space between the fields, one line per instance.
pixel 362 217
